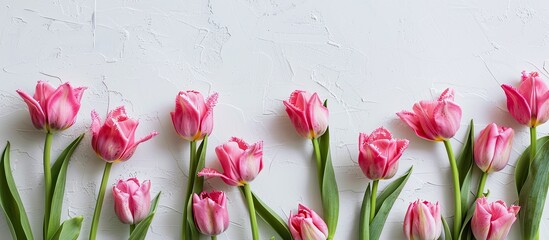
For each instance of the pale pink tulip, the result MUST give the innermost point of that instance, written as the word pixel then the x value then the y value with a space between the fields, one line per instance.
pixel 493 147
pixel 379 153
pixel 529 104
pixel 434 120
pixel 492 221
pixel 211 215
pixel 193 116
pixel 422 221
pixel 53 109
pixel 307 225
pixel 241 162
pixel 308 115
pixel 114 140
pixel 132 200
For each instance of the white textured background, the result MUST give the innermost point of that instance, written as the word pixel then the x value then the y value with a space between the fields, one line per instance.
pixel 370 59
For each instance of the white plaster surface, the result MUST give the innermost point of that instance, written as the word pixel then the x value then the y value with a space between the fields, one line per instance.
pixel 370 59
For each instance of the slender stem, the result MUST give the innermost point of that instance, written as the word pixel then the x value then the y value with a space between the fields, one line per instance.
pixel 457 189
pixel 47 182
pixel 373 200
pixel 482 182
pixel 253 219
pixel 99 203
pixel 132 227
pixel 190 183
pixel 533 141
pixel 318 159
pixel 214 237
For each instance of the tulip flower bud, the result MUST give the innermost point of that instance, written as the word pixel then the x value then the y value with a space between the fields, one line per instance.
pixel 422 221
pixel 132 201
pixel 307 225
pixel 211 215
pixel 492 221
pixel 529 104
pixel 193 117
pixel 308 115
pixel 379 154
pixel 493 147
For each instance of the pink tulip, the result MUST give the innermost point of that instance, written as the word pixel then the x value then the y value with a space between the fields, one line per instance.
pixel 379 153
pixel 211 215
pixel 492 221
pixel 193 117
pixel 53 109
pixel 309 116
pixel 529 104
pixel 132 201
pixel 307 225
pixel 423 221
pixel 114 140
pixel 493 147
pixel 434 120
pixel 241 162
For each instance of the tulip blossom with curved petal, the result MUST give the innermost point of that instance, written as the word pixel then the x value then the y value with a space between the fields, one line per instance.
pixel 422 221
pixel 529 104
pixel 307 113
pixel 132 200
pixel 193 116
pixel 307 225
pixel 114 141
pixel 492 221
pixel 53 109
pixel 210 212
pixel 379 153
pixel 493 148
pixel 434 120
pixel 240 161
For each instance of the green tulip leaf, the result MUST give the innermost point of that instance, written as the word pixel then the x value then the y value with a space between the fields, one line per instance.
pixel 385 202
pixel 465 168
pixel 364 222
pixel 328 190
pixel 10 201
pixel 523 164
pixel 446 229
pixel 70 229
pixel 141 229
pixel 465 232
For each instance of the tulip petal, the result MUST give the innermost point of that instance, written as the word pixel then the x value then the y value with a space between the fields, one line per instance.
pixel 318 116
pixel 298 119
pixel 131 149
pixel 412 120
pixel 206 122
pixel 62 107
pixel 517 105
pixel 210 172
pixel 250 162
pixel 186 117
pixel 447 117
pixel 140 202
pixel 38 116
pixel 122 206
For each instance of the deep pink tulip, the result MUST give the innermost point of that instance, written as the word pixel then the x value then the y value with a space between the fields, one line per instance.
pixel 493 147
pixel 434 120
pixel 309 116
pixel 241 162
pixel 193 117
pixel 132 200
pixel 211 215
pixel 114 140
pixel 53 109
pixel 529 104
pixel 492 221
pixel 422 221
pixel 379 153
pixel 307 225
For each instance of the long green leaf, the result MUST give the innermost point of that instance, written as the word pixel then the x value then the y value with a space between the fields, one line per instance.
pixel 534 192
pixel 465 167
pixel 446 228
pixel 364 221
pixel 386 200
pixel 59 177
pixel 329 191
pixel 70 229
pixel 523 163
pixel 10 201
pixel 141 229
pixel 466 227
pixel 198 184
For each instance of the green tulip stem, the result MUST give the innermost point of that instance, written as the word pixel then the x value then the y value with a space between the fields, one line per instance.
pixel 457 189
pixel 373 200
pixel 99 203
pixel 253 218
pixel 318 159
pixel 132 227
pixel 481 184
pixel 190 183
pixel 214 237
pixel 47 182
pixel 533 141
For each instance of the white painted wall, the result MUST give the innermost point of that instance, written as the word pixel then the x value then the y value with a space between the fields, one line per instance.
pixel 370 59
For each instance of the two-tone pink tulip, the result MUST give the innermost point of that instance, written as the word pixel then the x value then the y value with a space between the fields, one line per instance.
pixel 434 120
pixel 114 141
pixel 492 221
pixel 422 221
pixel 308 115
pixel 211 215
pixel 529 104
pixel 307 225
pixel 132 200
pixel 379 153
pixel 53 109
pixel 193 116
pixel 492 148
pixel 240 161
